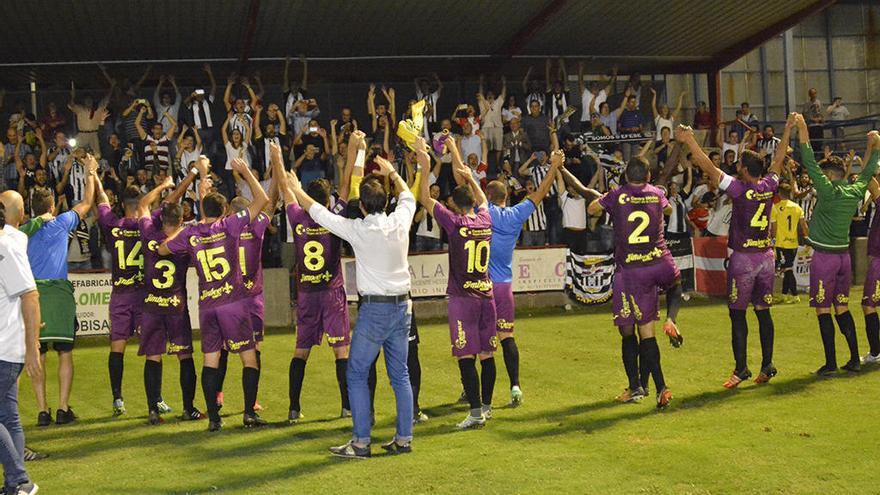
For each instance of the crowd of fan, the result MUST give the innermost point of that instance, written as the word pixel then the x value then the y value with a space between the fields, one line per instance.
pixel 504 136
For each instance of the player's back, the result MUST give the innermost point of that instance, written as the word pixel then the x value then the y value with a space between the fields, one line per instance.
pixel 250 253
pixel 787 216
pixel 123 238
pixel 637 215
pixel 470 239
pixel 507 223
pixel 164 276
pixel 750 218
pixel 318 252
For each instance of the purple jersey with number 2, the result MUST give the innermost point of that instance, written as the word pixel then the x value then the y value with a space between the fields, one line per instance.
pixel 469 241
pixel 214 249
pixel 750 220
pixel 637 214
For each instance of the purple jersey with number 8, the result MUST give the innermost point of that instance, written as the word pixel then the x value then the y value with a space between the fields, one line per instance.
pixel 214 250
pixel 637 214
pixel 318 252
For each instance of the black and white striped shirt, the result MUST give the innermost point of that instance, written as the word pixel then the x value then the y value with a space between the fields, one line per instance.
pixel 76 184
pixel 806 203
pixel 677 222
pixel 768 146
pixel 56 166
pixel 538 174
pixel 537 221
pixel 156 159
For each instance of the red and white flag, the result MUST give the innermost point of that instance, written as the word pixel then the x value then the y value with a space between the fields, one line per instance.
pixel 710 265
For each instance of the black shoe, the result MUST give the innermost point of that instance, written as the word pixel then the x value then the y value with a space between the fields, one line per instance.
pixel 393 447
pixel 154 418
pixel 44 418
pixel 767 372
pixel 63 417
pixel 462 399
pixel 826 371
pixel 293 416
pixel 215 425
pixel 25 489
pixel 253 421
pixel 853 366
pixel 192 415
pixel 33 455
pixel 351 451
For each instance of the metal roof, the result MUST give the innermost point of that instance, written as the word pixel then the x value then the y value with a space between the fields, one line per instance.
pixel 345 38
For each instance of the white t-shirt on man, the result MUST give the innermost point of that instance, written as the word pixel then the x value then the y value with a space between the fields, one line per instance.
pixel 15 279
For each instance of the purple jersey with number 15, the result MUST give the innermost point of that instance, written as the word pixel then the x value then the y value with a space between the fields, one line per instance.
pixel 124 242
pixel 214 249
pixel 637 214
pixel 469 244
pixel 250 254
pixel 750 220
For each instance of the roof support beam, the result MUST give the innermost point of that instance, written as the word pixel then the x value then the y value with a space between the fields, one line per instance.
pixel 733 53
pixel 531 28
pixel 247 37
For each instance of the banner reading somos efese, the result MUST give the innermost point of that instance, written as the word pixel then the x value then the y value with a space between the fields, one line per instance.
pixel 534 270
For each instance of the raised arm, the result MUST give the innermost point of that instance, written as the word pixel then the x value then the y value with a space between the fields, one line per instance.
pixel 227 94
pixel 779 158
pixel 82 208
pixel 678 106
pixel 279 177
pixel 655 113
pixel 224 131
pixel 173 128
pixel 180 190
pixel 138 125
pixel 872 154
pixel 556 160
pixel 354 164
pixel 465 173
pixel 258 112
pixel 211 80
pixel 424 188
pixel 583 191
pixel 148 200
pixel 685 135
pixel 581 86
pixel 525 82
pixel 260 198
pixel 547 84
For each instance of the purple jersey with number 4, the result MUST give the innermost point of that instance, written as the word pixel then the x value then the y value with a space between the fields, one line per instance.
pixel 750 220
pixel 214 249
pixel 123 239
pixel 318 261
pixel 469 240
pixel 164 276
pixel 250 254
pixel 637 214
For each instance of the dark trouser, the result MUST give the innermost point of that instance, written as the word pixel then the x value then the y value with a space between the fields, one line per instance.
pixel 817 135
pixel 554 220
pixel 576 240
pixel 11 432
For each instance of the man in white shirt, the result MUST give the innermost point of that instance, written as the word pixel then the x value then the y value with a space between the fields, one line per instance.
pixel 490 115
pixel 384 318
pixel 19 348
pixel 594 95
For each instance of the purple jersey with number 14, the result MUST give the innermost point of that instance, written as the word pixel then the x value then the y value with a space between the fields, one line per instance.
pixel 750 220
pixel 637 214
pixel 250 254
pixel 124 241
pixel 469 241
pixel 214 249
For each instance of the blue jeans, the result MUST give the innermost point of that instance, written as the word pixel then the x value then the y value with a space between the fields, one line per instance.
pixel 380 326
pixel 11 433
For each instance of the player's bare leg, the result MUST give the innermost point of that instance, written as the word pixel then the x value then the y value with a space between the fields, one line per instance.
pixel 38 382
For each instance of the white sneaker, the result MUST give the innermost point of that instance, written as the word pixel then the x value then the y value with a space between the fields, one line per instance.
pixel 118 407
pixel 163 407
pixel 870 359
pixel 516 396
pixel 471 422
pixel 487 412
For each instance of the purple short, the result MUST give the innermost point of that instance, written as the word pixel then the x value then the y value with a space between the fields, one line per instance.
pixel 321 312
pixel 472 325
pixel 125 314
pixel 635 299
pixel 750 279
pixel 165 333
pixel 830 278
pixel 227 326
pixel 871 296
pixel 504 308
pixel 258 312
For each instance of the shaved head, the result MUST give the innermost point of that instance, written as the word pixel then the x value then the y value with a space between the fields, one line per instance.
pixel 238 204
pixel 14 205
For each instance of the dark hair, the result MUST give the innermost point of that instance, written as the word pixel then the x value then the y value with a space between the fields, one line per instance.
pixel 714 153
pixel 835 165
pixel 373 195
pixel 131 196
pixel 319 190
pixel 752 162
pixel 768 126
pixel 214 205
pixel 496 191
pixel 637 170
pixel 463 197
pixel 42 201
pixel 172 214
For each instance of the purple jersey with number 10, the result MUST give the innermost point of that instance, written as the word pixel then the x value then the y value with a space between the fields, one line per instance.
pixel 214 249
pixel 637 214
pixel 124 242
pixel 750 220
pixel 469 242
pixel 250 254
pixel 164 276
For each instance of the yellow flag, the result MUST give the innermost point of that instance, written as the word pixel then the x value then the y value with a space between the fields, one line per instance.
pixel 408 130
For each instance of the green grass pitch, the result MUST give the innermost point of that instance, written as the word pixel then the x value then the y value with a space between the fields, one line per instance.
pixel 799 434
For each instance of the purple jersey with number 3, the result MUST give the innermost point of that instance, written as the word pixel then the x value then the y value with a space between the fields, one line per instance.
pixel 318 261
pixel 123 239
pixel 250 254
pixel 469 241
pixel 750 220
pixel 214 249
pixel 164 276
pixel 636 212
